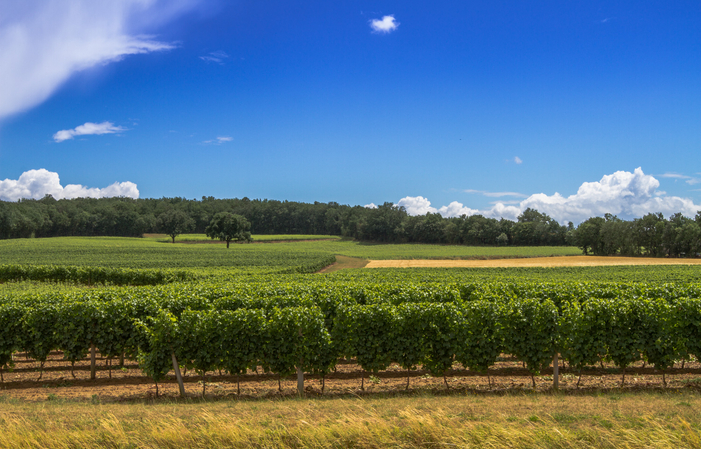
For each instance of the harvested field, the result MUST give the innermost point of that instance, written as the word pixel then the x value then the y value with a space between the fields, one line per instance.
pixel 560 261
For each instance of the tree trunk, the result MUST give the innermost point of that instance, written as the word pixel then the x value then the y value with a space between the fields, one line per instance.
pixel 227 244
pixel 623 379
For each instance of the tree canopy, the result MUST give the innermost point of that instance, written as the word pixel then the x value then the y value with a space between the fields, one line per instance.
pixel 229 227
pixel 175 222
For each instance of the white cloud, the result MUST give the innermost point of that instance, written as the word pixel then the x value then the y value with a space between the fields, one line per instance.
pixel 44 42
pixel 518 160
pixel 215 56
pixel 386 25
pixel 370 206
pixel 495 194
pixel 622 193
pixel 456 209
pixel 38 183
pixel 88 129
pixel 416 205
pixel 219 140
pixel 674 175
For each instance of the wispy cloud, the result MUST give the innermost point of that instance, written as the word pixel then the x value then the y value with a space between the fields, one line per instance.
pixel 38 183
pixel 216 57
pixel 688 179
pixel 495 194
pixel 219 140
pixel 44 42
pixel 674 176
pixel 518 160
pixel 88 129
pixel 385 25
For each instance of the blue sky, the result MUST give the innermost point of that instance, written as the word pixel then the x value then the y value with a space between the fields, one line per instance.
pixel 474 107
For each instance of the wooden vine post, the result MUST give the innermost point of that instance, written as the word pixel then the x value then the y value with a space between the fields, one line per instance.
pixel 300 372
pixel 92 362
pixel 556 371
pixel 300 381
pixel 178 375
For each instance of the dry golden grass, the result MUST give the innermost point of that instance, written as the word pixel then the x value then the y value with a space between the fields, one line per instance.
pixel 640 420
pixel 560 261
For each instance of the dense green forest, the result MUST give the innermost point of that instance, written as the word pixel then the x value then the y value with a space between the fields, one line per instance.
pixel 651 235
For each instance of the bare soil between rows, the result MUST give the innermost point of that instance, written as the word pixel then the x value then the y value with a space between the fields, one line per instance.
pixel 554 261
pixel 128 383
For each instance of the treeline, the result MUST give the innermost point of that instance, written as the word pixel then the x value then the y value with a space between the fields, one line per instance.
pixel 651 235
pixel 387 223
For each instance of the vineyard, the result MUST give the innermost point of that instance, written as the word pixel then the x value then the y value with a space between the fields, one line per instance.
pixel 258 315
pixel 294 324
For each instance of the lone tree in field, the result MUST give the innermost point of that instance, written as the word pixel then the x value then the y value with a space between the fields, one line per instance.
pixel 174 223
pixel 226 226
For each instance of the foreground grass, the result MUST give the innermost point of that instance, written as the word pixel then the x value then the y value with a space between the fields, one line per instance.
pixel 639 420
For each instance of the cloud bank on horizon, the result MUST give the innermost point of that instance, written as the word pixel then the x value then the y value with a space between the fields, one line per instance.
pixel 36 184
pixel 622 193
pixel 44 42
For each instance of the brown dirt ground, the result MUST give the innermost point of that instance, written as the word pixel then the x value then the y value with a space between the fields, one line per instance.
pixel 559 261
pixel 129 383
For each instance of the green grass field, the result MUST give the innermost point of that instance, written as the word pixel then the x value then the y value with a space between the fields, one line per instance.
pixel 256 237
pixel 151 253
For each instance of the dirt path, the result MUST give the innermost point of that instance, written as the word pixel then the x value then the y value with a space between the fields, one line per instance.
pixel 561 261
pixel 344 262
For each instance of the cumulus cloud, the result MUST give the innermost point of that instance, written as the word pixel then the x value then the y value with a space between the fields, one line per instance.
pixel 622 193
pixel 370 206
pixel 38 183
pixel 456 209
pixel 518 160
pixel 385 25
pixel 216 57
pixel 219 140
pixel 44 42
pixel 88 129
pixel 416 205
